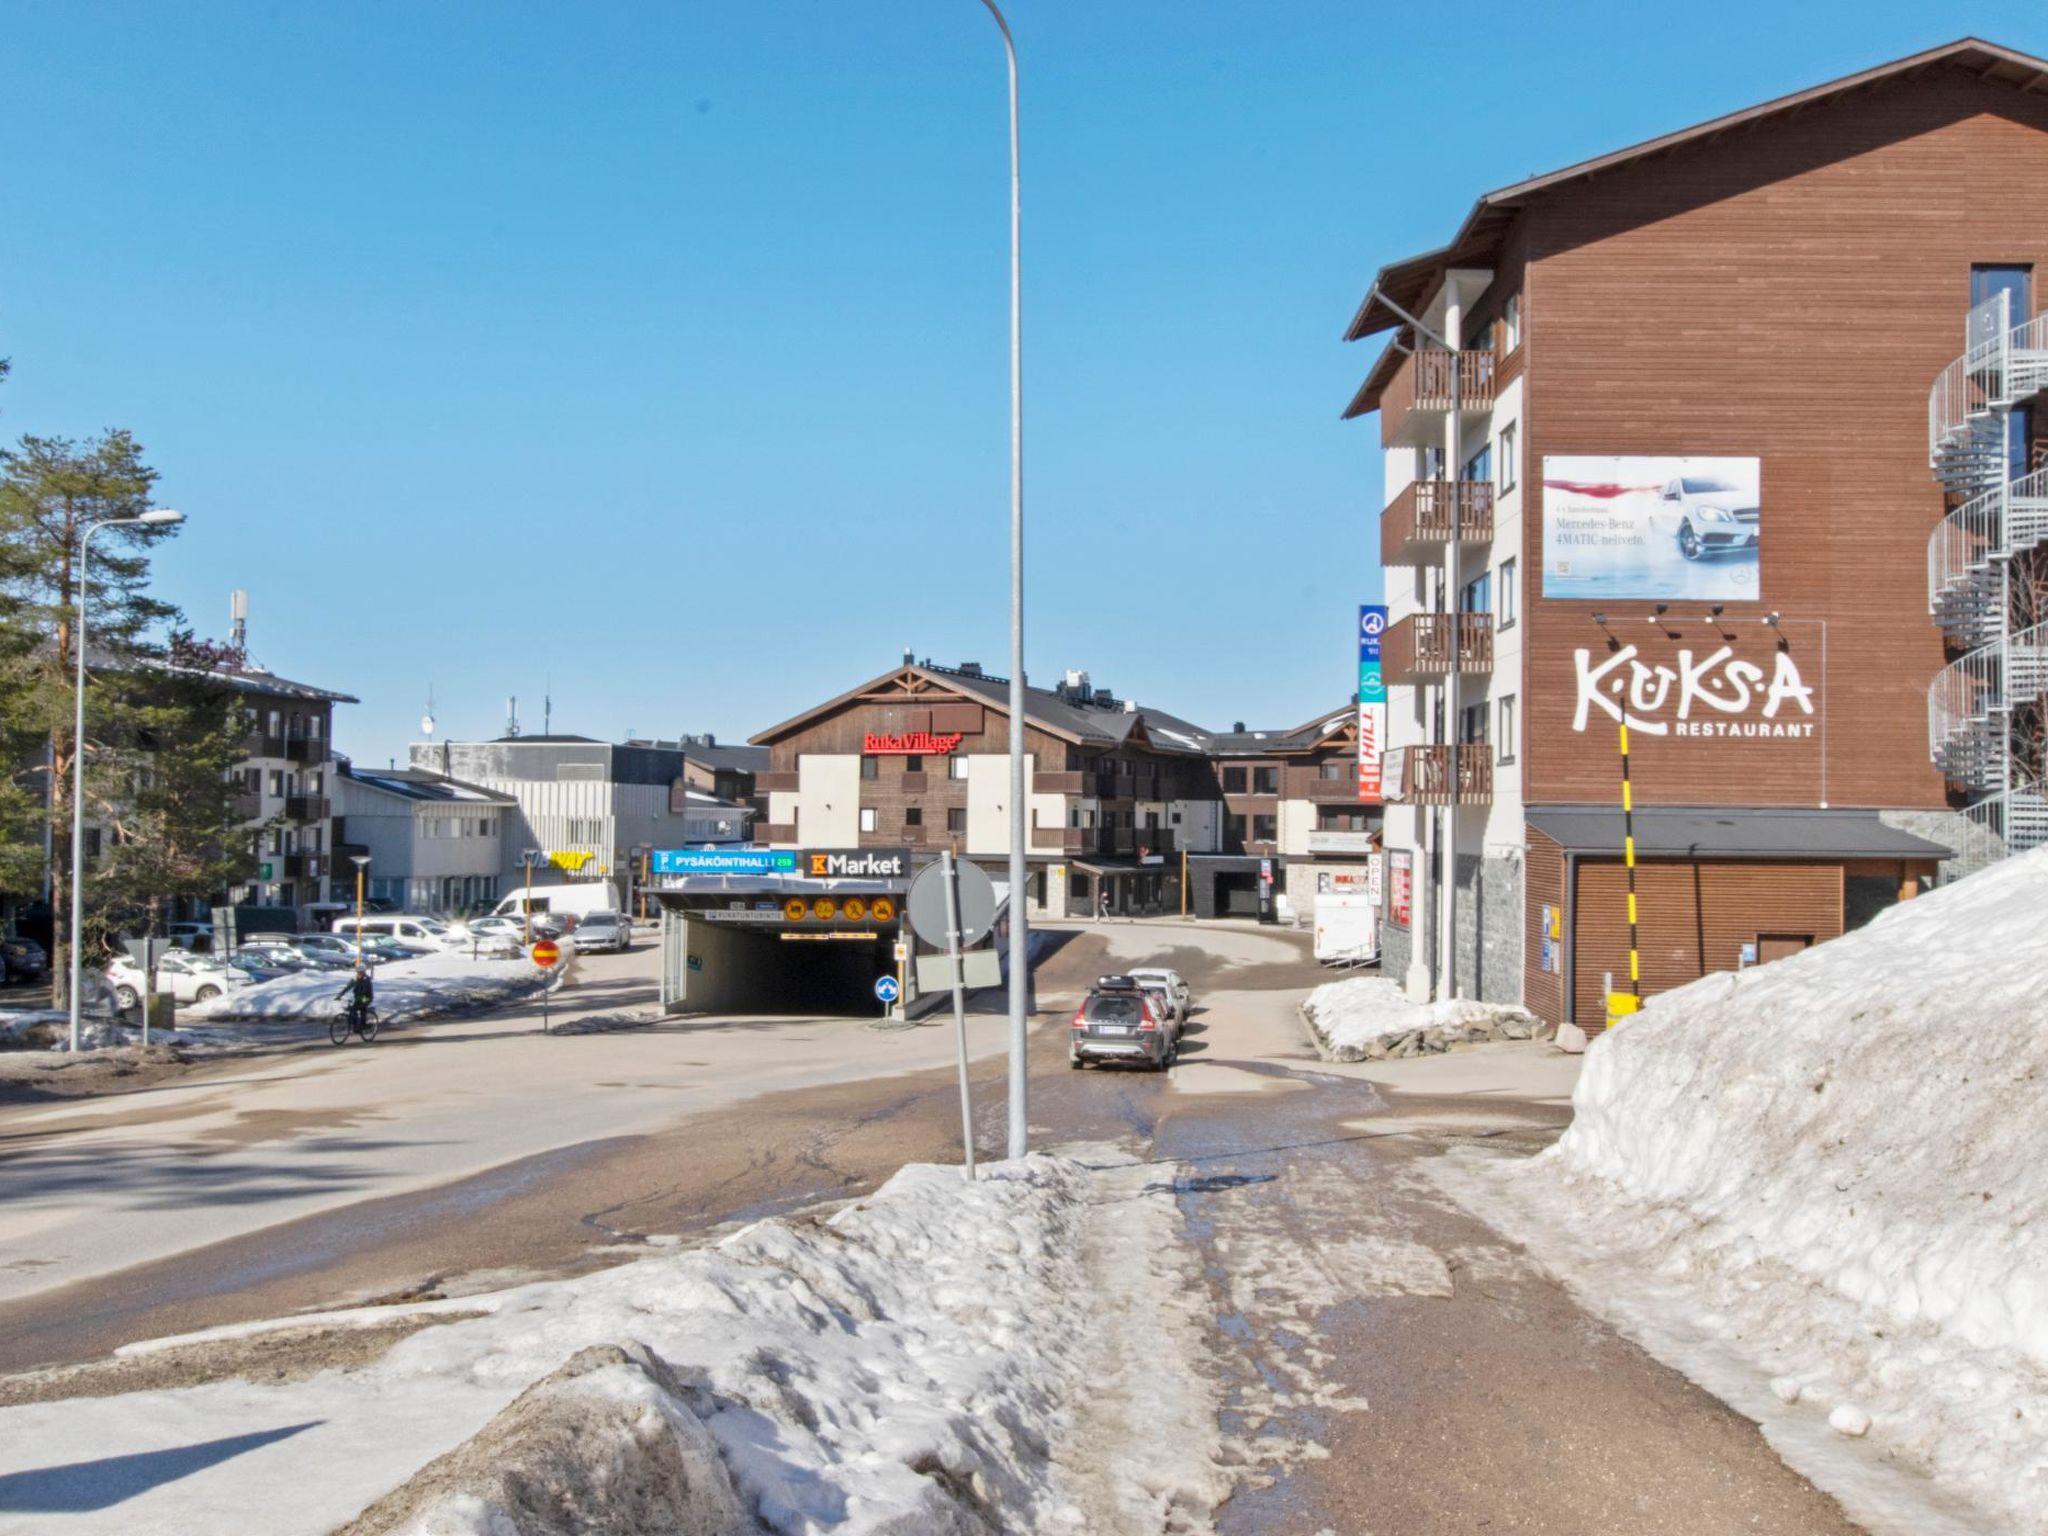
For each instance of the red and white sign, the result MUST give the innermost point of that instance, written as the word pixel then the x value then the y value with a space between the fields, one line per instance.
pixel 546 952
pixel 909 743
pixel 1372 729
pixel 1401 879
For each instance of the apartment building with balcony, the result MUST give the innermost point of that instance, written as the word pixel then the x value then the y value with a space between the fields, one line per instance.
pixel 1125 798
pixel 1656 437
pixel 287 784
pixel 435 844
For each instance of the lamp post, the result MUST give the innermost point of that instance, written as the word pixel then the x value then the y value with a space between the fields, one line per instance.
pixel 1020 969
pixel 526 857
pixel 361 862
pixel 158 517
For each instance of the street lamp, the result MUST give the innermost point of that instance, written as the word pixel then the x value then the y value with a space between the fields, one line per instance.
pixel 361 862
pixel 156 517
pixel 1020 968
pixel 527 858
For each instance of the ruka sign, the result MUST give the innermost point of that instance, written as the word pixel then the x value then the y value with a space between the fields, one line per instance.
pixel 1716 694
pixel 910 743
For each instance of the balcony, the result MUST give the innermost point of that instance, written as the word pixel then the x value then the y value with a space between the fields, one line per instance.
pixel 784 780
pixel 1422 775
pixel 305 749
pixel 1063 839
pixel 1339 840
pixel 1056 784
pixel 302 866
pixel 775 833
pixel 913 783
pixel 305 808
pixel 1418 397
pixel 1342 791
pixel 1428 645
pixel 1430 514
pixel 245 804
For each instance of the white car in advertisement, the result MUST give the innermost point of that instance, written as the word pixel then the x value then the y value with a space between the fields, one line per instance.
pixel 1707 515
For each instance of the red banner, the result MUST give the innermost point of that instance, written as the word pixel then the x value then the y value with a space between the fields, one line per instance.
pixel 910 744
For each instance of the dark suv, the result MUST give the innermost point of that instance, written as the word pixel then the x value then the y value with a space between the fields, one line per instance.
pixel 1117 1022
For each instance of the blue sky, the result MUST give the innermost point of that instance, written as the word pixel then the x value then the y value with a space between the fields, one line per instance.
pixel 658 350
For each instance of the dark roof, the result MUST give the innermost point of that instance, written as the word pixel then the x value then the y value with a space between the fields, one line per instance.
pixel 555 740
pixel 419 784
pixel 256 680
pixel 1411 281
pixel 1725 833
pixel 1301 738
pixel 734 759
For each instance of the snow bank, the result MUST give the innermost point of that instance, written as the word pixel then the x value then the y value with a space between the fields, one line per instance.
pixel 1830 1174
pixel 909 1365
pixel 1371 1017
pixel 406 990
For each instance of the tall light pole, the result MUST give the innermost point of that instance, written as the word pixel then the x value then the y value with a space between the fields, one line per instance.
pixel 362 863
pixel 1020 949
pixel 160 517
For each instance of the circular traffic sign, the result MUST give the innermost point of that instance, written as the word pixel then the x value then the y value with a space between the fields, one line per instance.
pixel 853 909
pixel 886 989
pixel 926 904
pixel 546 952
pixel 795 909
pixel 882 909
pixel 824 909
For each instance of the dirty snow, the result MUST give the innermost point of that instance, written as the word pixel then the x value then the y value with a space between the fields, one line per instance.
pixel 406 989
pixel 1820 1186
pixel 925 1360
pixel 1348 1016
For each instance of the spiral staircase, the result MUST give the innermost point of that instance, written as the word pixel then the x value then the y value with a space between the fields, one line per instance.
pixel 1970 584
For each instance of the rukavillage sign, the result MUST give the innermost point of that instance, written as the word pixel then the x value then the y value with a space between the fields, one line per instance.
pixel 910 743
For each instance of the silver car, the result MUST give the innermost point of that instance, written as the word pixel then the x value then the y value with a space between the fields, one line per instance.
pixel 605 930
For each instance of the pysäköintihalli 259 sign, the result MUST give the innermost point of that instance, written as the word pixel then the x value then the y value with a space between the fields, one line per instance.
pixel 909 743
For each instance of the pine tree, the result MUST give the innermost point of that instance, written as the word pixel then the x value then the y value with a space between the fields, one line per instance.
pixel 52 491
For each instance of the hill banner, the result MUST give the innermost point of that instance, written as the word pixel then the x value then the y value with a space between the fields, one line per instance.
pixel 1372 701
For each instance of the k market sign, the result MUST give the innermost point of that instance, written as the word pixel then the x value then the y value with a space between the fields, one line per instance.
pixel 1716 694
pixel 857 863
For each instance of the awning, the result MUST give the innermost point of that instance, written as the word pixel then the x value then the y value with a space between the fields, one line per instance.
pixel 1116 866
pixel 1734 833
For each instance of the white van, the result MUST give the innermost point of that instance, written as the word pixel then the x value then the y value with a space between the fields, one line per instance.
pixel 577 899
pixel 419 932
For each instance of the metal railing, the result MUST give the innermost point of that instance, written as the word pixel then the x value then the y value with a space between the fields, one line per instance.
pixel 1970 703
pixel 1421 775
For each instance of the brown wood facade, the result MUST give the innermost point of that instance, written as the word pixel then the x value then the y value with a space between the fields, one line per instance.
pixel 1787 291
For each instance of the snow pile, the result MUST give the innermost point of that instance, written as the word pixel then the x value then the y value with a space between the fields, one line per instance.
pixel 1370 1017
pixel 406 990
pixel 915 1363
pixel 1830 1175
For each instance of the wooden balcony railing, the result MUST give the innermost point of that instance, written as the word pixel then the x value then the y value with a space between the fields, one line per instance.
pixel 305 807
pixel 778 779
pixel 1420 392
pixel 1332 791
pixel 775 832
pixel 1429 514
pixel 1426 645
pixel 1056 783
pixel 1421 775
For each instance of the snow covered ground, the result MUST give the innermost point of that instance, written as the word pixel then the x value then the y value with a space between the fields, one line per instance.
pixel 922 1361
pixel 1355 1019
pixel 406 990
pixel 1820 1187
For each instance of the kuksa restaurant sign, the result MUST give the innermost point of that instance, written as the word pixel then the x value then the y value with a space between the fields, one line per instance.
pixel 1712 695
pixel 910 743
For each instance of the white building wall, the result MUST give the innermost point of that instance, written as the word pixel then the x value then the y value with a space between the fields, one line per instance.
pixel 1297 819
pixel 988 800
pixel 782 809
pixel 828 800
pixel 1199 824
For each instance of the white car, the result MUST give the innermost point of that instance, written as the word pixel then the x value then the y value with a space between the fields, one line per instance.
pixel 187 977
pixel 1176 988
pixel 424 933
pixel 605 930
pixel 1706 515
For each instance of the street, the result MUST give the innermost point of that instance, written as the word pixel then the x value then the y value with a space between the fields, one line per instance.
pixel 1383 1361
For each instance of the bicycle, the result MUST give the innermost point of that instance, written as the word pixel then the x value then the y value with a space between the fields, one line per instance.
pixel 353 1021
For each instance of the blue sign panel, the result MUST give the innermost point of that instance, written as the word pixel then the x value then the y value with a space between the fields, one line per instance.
pixel 887 990
pixel 1372 623
pixel 724 861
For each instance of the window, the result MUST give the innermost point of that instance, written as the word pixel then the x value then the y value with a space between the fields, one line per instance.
pixel 1478 594
pixel 956 818
pixel 1472 724
pixel 1266 781
pixel 1505 738
pixel 1233 781
pixel 1506 611
pixel 913 816
pixel 313 727
pixel 276 724
pixel 1265 829
pixel 277 783
pixel 956 766
pixel 867 818
pixel 1335 818
pixel 1480 465
pixel 1336 769
pixel 1508 434
pixel 1511 324
pixel 1236 828
pixel 871 767
pixel 912 763
pixel 1990 278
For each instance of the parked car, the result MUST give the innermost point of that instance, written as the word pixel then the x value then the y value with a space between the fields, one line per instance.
pixel 1117 1021
pixel 22 960
pixel 274 955
pixel 570 900
pixel 422 933
pixel 257 967
pixel 605 930
pixel 1176 990
pixel 1706 516
pixel 188 977
pixel 377 945
pixel 327 947
pixel 544 927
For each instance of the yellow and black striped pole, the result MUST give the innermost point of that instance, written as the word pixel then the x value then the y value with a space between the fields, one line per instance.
pixel 1621 1004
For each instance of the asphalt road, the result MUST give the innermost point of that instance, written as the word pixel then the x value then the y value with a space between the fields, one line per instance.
pixel 1391 1365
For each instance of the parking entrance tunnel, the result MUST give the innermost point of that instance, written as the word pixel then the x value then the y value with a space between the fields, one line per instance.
pixel 764 964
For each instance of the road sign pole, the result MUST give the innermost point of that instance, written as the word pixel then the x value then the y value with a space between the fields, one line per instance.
pixel 952 879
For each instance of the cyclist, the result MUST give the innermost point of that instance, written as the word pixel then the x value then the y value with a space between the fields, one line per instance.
pixel 360 992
